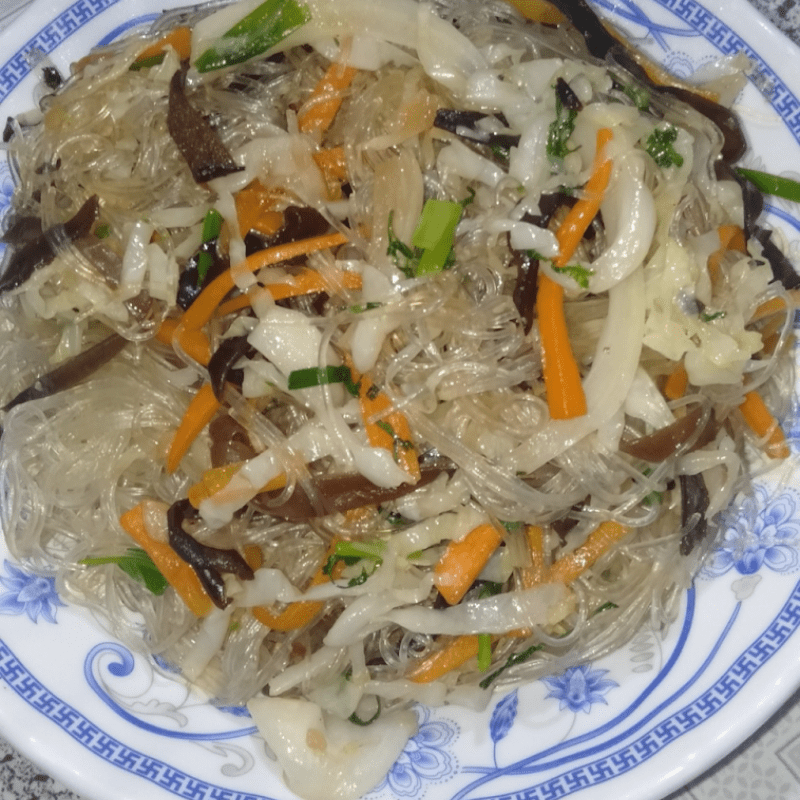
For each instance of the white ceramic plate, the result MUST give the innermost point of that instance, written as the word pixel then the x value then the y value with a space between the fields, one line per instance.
pixel 636 725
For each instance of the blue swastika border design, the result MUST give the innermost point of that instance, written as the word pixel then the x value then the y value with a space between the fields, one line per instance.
pixel 103 745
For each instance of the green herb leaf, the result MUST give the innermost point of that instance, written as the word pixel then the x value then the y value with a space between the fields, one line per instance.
pixel 358 721
pixel 605 607
pixel 660 146
pixel 260 30
pixel 561 128
pixel 710 316
pixel 136 563
pixel 146 63
pixel 402 255
pixel 772 184
pixel 512 660
pixel 317 376
pixel 484 651
pixel 639 95
pixel 102 231
pixel 579 274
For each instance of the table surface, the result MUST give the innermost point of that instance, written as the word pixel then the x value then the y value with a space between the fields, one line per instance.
pixel 765 767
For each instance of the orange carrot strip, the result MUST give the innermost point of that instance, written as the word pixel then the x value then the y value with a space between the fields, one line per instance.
pixel 764 425
pixel 534 574
pixel 178 573
pixel 200 412
pixel 216 479
pixel 306 281
pixel 299 614
pixel 539 11
pixel 731 237
pixel 318 112
pixel 453 655
pixel 194 343
pixel 203 308
pixel 384 426
pixel 562 377
pixel 676 383
pixel 580 216
pixel 462 561
pixel 179 39
pixel 255 210
pixel 333 166
pixel 601 539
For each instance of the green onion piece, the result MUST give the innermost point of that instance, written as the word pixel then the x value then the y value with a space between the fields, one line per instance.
pixel 136 563
pixel 435 233
pixel 772 184
pixel 102 231
pixel 484 651
pixel 513 660
pixel 373 549
pixel 212 227
pixel 146 63
pixel 260 30
pixel 317 376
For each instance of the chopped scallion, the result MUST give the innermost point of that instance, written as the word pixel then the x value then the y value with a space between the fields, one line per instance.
pixel 484 651
pixel 435 233
pixel 772 184
pixel 317 376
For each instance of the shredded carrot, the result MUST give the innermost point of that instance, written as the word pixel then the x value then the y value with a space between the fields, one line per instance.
pixel 384 426
pixel 299 614
pixel 178 573
pixel 317 114
pixel 600 540
pixel 764 425
pixel 255 209
pixel 677 382
pixel 179 39
pixel 463 560
pixel 562 377
pixel 333 166
pixel 194 343
pixel 253 556
pixel 731 238
pixel 216 479
pixel 580 216
pixel 307 281
pixel 453 655
pixel 539 11
pixel 534 574
pixel 200 412
pixel 204 306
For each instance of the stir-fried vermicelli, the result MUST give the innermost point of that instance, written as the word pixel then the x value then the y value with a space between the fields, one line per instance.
pixel 372 352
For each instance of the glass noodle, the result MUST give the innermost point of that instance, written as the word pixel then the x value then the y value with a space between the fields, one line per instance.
pixel 411 358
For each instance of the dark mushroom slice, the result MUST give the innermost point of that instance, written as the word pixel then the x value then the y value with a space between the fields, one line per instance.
pixel 464 125
pixel 339 493
pixel 694 504
pixel 190 284
pixel 665 442
pixel 299 222
pixel 72 372
pixel 524 295
pixel 207 562
pixel 198 142
pixel 41 250
pixel 221 366
pixel 782 268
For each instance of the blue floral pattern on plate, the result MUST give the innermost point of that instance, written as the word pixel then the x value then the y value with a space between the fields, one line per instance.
pixel 762 531
pixel 426 758
pixel 28 593
pixel 579 688
pixel 595 756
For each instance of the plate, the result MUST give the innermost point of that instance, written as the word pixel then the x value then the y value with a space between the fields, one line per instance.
pixel 640 723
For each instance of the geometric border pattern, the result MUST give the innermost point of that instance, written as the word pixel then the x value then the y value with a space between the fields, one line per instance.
pixel 724 689
pixel 110 749
pixel 103 745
